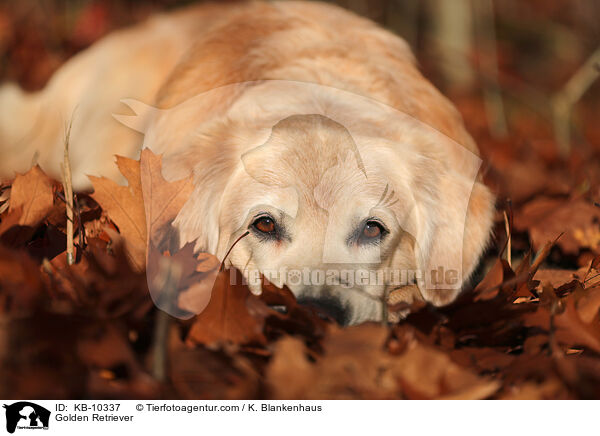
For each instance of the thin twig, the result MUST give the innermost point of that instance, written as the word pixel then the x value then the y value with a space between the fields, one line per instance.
pixel 222 267
pixel 591 278
pixel 4 198
pixel 167 280
pixel 80 226
pixel 508 236
pixel 159 351
pixel 564 100
pixel 68 188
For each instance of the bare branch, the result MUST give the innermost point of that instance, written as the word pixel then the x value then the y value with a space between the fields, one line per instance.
pixel 564 100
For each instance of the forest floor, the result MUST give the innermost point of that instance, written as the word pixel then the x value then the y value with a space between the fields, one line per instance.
pixel 528 327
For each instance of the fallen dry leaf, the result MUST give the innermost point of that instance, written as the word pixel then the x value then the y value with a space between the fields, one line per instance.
pixel 356 365
pixel 198 283
pixel 227 317
pixel 162 199
pixel 125 207
pixel 181 283
pixel 32 194
pixel 547 218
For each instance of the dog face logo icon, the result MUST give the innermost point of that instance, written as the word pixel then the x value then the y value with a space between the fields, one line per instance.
pixel 26 415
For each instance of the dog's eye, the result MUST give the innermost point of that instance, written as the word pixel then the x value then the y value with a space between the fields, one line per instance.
pixel 372 231
pixel 264 224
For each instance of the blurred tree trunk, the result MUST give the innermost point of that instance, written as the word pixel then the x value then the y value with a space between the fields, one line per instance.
pixel 485 35
pixel 452 38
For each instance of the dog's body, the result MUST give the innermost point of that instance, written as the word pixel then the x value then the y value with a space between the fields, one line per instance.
pixel 304 123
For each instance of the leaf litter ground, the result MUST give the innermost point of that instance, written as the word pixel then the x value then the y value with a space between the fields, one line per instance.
pixel 89 329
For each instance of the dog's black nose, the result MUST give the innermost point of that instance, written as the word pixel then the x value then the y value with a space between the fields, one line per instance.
pixel 330 307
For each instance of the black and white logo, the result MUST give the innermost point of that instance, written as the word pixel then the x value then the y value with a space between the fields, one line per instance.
pixel 26 415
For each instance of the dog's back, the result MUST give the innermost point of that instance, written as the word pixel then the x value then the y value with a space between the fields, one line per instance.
pixel 174 57
pixel 130 63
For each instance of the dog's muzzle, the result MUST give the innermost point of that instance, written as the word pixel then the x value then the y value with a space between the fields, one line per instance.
pixel 330 307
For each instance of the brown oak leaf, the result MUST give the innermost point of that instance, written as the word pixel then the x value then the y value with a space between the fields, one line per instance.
pixel 162 199
pixel 233 315
pixel 32 193
pixel 124 206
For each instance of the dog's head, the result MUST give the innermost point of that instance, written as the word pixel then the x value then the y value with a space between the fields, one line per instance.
pixel 344 204
pixel 343 219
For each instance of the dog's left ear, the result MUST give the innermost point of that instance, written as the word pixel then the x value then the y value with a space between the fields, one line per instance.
pixel 198 220
pixel 453 230
pixel 213 163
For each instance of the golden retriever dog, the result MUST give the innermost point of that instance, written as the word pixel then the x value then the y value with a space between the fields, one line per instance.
pixel 305 125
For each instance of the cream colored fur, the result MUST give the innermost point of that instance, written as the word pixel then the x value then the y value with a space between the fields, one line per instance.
pixel 297 109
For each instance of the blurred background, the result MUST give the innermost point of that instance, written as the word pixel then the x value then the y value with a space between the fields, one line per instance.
pixel 523 70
